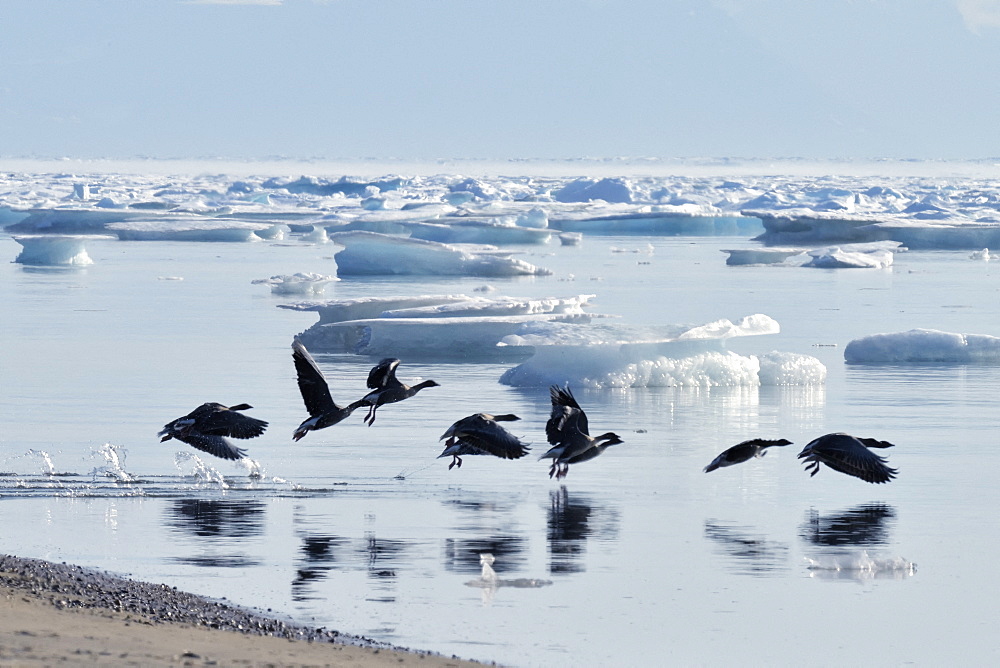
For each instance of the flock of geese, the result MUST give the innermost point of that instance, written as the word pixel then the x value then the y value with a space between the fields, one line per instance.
pixel 208 427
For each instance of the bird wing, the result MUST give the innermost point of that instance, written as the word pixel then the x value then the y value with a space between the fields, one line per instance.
pixel 213 445
pixel 493 439
pixel 848 454
pixel 383 374
pixel 230 423
pixel 312 384
pixel 564 406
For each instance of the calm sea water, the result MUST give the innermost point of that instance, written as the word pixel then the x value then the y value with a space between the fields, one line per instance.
pixel 637 557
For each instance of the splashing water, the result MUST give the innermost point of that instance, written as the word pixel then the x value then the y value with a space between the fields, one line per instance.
pixel 201 471
pixel 47 467
pixel 114 458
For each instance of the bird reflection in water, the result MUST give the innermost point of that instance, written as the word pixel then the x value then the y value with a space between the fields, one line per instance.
pixel 217 525
pixel 751 554
pixel 845 542
pixel 464 555
pixel 319 555
pixel 570 525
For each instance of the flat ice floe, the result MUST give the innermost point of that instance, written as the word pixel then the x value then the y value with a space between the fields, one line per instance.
pixel 195 228
pixel 923 346
pixel 872 255
pixel 373 254
pixel 457 327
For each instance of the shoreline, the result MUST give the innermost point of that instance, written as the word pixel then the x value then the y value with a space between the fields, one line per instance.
pixel 60 613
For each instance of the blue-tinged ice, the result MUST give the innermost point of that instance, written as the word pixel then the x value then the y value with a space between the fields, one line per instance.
pixel 194 228
pixel 373 254
pixel 924 346
pixel 301 283
pixel 55 249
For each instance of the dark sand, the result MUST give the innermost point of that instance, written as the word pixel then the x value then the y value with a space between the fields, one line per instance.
pixel 61 614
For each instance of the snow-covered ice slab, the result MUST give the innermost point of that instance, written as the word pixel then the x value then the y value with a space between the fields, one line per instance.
pixel 373 254
pixel 301 283
pixel 678 355
pixel 665 223
pixel 876 254
pixel 811 227
pixel 923 346
pixel 452 326
pixel 193 228
pixel 55 249
pixel 478 231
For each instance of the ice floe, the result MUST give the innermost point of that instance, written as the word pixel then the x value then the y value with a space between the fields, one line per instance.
pixel 55 249
pixel 302 283
pixel 373 254
pixel 923 346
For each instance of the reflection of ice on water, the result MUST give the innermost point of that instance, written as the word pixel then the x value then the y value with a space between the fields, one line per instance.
pixel 860 566
pixel 489 582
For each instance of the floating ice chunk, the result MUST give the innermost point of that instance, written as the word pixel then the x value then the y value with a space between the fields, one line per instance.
pixel 981 255
pixel 489 581
pixel 678 355
pixel 341 310
pixel 501 306
pixel 189 228
pixel 570 238
pixel 860 566
pixel 55 249
pixel 316 236
pixel 369 253
pixel 664 220
pixel 585 190
pixel 838 258
pixel 754 256
pixel 922 346
pixel 297 284
pixel 478 231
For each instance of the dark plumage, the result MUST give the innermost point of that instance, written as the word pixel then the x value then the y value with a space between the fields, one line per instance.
pixel 206 427
pixel 480 434
pixel 323 411
pixel 386 389
pixel 744 451
pixel 568 432
pixel 848 454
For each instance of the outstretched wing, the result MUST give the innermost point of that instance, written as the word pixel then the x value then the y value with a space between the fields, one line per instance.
pixel 312 384
pixel 383 374
pixel 213 445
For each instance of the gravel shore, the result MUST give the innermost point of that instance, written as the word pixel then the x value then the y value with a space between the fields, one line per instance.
pixel 60 613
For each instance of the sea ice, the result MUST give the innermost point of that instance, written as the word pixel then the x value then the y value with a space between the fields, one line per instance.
pixel 297 284
pixel 55 249
pixel 678 355
pixel 503 230
pixel 193 228
pixel 923 346
pixel 369 253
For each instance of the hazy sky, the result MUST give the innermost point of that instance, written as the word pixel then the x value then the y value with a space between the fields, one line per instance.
pixel 424 79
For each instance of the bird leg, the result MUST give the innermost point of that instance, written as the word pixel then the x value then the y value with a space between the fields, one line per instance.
pixel 561 473
pixel 552 469
pixel 370 418
pixel 456 461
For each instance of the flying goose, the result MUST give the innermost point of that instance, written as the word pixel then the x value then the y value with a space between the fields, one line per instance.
pixel 745 451
pixel 206 427
pixel 386 389
pixel 568 432
pixel 480 434
pixel 848 454
pixel 323 411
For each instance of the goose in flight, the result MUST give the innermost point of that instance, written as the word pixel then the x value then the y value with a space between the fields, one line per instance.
pixel 323 411
pixel 849 454
pixel 745 451
pixel 480 434
pixel 207 427
pixel 386 389
pixel 568 433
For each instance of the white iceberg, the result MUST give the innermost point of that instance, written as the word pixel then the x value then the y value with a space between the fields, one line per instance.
pixel 302 283
pixel 373 254
pixel 680 355
pixel 55 249
pixel 923 346
pixel 851 565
